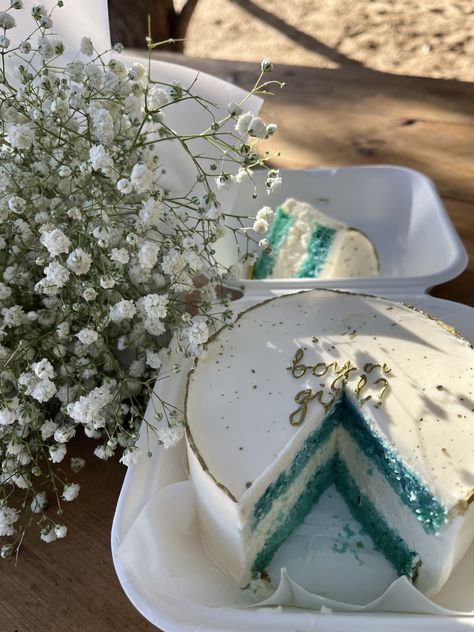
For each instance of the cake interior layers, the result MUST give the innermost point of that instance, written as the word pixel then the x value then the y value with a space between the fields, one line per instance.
pixel 320 241
pixel 343 450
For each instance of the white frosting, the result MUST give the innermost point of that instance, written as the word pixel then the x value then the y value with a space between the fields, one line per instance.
pixel 351 253
pixel 241 432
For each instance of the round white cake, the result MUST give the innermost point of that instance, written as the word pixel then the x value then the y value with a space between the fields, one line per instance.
pixel 325 387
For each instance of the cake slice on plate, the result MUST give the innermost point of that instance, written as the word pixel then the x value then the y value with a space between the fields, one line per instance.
pixel 305 242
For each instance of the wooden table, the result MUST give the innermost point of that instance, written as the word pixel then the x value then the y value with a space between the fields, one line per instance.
pixel 325 118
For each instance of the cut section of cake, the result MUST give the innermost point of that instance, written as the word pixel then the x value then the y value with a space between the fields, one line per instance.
pixel 305 242
pixel 327 387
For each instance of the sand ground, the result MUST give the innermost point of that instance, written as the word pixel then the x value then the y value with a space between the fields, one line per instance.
pixel 432 38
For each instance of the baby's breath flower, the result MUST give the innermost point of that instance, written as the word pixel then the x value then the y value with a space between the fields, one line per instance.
pixel 119 255
pixel 131 456
pixel 20 136
pixel 169 436
pixel 25 48
pixel 87 336
pixel 8 517
pixel 265 213
pixel 123 310
pixel 16 204
pixel 71 491
pixel 156 98
pixel 266 65
pixel 49 535
pixel 257 127
pixel 124 186
pixel 101 160
pixel 56 274
pixel 154 359
pixel 86 46
pixel 64 171
pixel 39 502
pixel 260 225
pixel 101 242
pixel 141 178
pixel 7 416
pixel 48 429
pixel 107 282
pixel 272 129
pixel 234 109
pixel 104 452
pixel 56 242
pixel 77 464
pixel 64 433
pixel 57 452
pixel 43 369
pixel 264 245
pixel 7 21
pixel 243 123
pixel 46 22
pixel 223 181
pixel 89 294
pixel 273 181
pixel 60 530
pixel 79 261
pixel 137 72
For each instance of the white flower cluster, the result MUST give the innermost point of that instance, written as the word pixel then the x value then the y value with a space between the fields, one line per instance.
pixel 99 255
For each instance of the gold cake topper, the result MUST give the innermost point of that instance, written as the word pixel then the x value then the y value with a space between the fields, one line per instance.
pixel 342 374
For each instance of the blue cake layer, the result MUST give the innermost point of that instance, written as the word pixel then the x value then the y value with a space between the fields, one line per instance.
pixel 403 559
pixel 283 481
pixel 416 496
pixel 286 522
pixel 413 493
pixel 317 252
pixel 276 235
pixel 405 483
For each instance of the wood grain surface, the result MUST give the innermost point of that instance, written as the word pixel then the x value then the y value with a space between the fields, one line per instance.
pixel 325 118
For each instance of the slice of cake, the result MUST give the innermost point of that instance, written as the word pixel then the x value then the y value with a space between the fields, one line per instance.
pixel 307 243
pixel 328 387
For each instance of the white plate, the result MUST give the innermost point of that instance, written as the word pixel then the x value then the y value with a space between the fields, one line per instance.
pixel 173 613
pixel 399 209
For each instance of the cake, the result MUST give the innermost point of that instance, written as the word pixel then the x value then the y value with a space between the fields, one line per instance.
pixel 324 387
pixel 304 242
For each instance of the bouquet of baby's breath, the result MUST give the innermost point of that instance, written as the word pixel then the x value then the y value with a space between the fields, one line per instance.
pixel 98 257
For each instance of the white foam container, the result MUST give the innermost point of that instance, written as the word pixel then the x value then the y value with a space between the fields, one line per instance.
pixel 400 210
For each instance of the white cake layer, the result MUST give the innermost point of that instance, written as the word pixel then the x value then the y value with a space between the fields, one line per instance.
pixel 351 253
pixel 426 414
pixel 254 538
pixel 439 553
